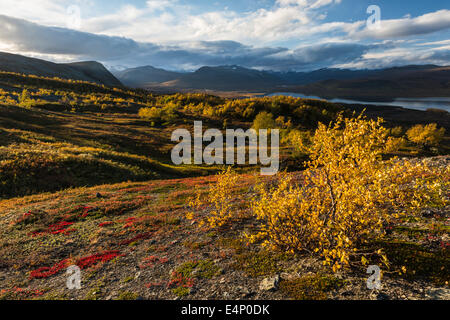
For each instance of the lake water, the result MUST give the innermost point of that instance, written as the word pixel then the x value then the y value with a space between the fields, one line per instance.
pixel 410 103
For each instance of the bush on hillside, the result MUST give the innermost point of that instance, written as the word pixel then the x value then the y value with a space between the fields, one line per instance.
pixel 426 136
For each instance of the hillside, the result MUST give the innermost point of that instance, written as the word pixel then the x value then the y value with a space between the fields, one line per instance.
pixel 225 78
pixel 87 180
pixel 71 132
pixel 133 241
pixel 87 71
pixel 142 77
pixel 71 150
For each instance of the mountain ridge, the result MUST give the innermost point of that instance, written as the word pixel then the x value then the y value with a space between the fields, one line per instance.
pixel 326 82
pixel 411 81
pixel 145 75
pixel 91 71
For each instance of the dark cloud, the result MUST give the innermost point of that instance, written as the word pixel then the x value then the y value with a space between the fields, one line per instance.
pixel 31 37
pixel 320 55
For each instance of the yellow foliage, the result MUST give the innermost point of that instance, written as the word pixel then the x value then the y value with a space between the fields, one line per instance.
pixel 428 135
pixel 348 194
pixel 298 140
pixel 220 200
pixel 152 113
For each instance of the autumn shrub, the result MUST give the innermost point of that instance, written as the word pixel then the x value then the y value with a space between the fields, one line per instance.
pixel 170 112
pixel 264 120
pixel 396 132
pixel 220 200
pixel 348 196
pixel 426 136
pixel 298 141
pixel 158 115
pixel 153 114
pixel 25 99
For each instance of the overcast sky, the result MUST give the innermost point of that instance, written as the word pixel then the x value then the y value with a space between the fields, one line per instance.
pixel 264 34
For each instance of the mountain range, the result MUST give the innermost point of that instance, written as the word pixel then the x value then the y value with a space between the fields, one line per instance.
pixel 384 85
pixel 412 81
pixel 371 85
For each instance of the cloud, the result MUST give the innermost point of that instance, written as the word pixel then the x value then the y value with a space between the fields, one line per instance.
pixel 176 20
pixel 31 37
pixel 400 56
pixel 308 4
pixel 154 5
pixel 433 43
pixel 24 36
pixel 407 27
pixel 167 34
pixel 164 20
pixel 49 12
pixel 330 53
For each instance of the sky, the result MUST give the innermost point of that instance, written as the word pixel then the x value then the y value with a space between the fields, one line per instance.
pixel 281 35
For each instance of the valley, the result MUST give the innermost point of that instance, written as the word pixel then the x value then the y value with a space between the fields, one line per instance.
pixel 87 180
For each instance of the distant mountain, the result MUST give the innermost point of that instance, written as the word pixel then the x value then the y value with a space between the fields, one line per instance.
pixel 375 85
pixel 228 78
pixel 145 76
pixel 300 78
pixel 225 78
pixel 366 85
pixel 385 85
pixel 87 71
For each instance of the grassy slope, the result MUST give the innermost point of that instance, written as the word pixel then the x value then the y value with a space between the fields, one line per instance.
pixel 49 151
pixel 143 224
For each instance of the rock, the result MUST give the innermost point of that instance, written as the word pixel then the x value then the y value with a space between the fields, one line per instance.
pixel 245 292
pixel 347 293
pixel 438 294
pixel 382 296
pixel 288 276
pixel 427 213
pixel 270 284
pixel 248 295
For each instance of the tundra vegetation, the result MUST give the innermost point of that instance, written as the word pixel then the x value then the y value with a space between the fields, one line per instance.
pixel 86 180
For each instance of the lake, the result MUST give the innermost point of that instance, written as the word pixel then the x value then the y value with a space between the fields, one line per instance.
pixel 411 103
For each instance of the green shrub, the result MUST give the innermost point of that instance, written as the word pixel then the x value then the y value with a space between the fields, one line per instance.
pixel 264 120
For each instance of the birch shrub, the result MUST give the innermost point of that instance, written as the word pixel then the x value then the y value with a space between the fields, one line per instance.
pixel 348 196
pixel 220 200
